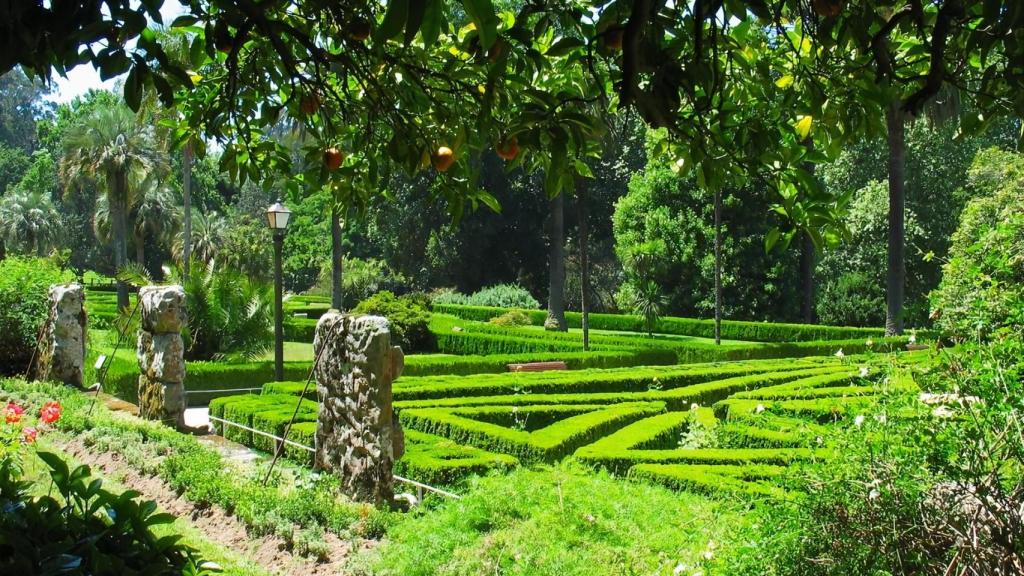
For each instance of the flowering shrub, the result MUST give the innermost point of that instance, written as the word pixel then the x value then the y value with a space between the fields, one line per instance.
pixel 17 431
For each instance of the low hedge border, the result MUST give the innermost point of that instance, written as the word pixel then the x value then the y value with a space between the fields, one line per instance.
pixel 546 444
pixel 714 480
pixel 439 461
pixel 676 399
pixel 731 329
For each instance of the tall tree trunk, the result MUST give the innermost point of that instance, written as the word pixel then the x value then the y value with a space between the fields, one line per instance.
pixel 897 201
pixel 37 240
pixel 807 262
pixel 556 268
pixel 718 266
pixel 337 260
pixel 118 221
pixel 584 233
pixel 186 192
pixel 140 249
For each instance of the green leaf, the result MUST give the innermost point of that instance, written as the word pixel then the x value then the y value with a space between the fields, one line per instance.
pixel 771 238
pixel 432 19
pixel 56 463
pixel 394 19
pixel 133 89
pixel 414 19
pixel 563 47
pixel 184 21
pixel 481 12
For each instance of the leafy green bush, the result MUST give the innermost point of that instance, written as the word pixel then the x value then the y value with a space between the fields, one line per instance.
pixel 408 317
pixel 47 534
pixel 499 295
pixel 511 318
pixel 24 288
pixel 982 288
pixel 852 299
pixel 229 314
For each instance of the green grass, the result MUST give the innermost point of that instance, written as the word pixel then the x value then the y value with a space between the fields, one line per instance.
pixel 561 520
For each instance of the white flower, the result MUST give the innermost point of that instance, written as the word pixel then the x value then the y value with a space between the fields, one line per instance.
pixel 708 554
pixel 864 371
pixel 882 419
pixel 759 408
pixel 874 494
pixel 913 338
pixel 679 569
pixel 839 354
pixel 819 440
pixel 870 343
pixel 859 420
pixel 694 406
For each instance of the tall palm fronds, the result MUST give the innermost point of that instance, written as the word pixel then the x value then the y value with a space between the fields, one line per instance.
pixel 152 212
pixel 208 233
pixel 110 146
pixel 229 314
pixel 29 220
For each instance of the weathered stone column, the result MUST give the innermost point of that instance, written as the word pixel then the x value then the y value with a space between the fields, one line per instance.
pixel 161 354
pixel 357 434
pixel 62 350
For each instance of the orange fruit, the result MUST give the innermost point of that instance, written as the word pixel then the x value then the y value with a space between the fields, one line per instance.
pixel 442 158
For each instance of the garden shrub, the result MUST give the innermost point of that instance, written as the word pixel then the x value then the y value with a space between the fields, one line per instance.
pixel 229 315
pixel 409 320
pixel 499 295
pixel 982 288
pixel 24 289
pixel 511 318
pixel 44 535
pixel 439 461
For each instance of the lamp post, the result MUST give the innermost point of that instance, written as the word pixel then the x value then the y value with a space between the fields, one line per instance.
pixel 277 219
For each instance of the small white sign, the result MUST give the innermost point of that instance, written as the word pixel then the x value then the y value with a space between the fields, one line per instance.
pixel 100 361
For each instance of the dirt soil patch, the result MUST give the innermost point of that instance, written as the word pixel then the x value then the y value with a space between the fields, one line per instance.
pixel 270 552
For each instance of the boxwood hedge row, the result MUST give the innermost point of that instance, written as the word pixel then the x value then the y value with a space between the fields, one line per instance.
pixel 731 329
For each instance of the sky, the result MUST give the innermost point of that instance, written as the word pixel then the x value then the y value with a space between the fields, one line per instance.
pixel 83 78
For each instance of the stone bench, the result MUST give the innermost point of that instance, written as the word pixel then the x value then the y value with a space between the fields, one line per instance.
pixel 537 366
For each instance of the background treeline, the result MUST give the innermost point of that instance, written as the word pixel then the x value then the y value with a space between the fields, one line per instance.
pixel 651 229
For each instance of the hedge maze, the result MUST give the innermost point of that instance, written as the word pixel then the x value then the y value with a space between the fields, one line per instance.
pixel 716 427
pixel 673 409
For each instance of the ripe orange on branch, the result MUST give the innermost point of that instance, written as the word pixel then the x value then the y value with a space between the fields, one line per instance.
pixel 442 158
pixel 333 159
pixel 508 149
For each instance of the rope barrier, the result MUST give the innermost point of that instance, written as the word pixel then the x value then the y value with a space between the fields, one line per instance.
pixel 279 439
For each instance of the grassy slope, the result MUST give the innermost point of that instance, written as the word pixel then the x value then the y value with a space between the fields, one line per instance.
pixel 561 520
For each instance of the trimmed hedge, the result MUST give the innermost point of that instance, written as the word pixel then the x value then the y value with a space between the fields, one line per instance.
pixel 545 444
pixel 714 480
pixel 631 379
pixel 473 337
pixel 435 460
pixel 731 329
pixel 430 365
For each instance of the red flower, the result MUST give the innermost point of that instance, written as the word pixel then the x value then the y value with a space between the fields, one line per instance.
pixel 50 413
pixel 29 434
pixel 13 413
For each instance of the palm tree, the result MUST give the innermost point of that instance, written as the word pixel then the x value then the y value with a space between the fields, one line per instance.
pixel 151 212
pixel 28 219
pixel 208 232
pixel 155 216
pixel 112 147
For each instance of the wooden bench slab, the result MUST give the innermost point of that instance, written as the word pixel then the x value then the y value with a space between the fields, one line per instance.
pixel 537 366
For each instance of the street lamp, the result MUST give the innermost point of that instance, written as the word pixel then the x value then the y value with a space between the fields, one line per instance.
pixel 277 219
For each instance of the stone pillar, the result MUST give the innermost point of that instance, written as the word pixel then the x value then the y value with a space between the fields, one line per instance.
pixel 62 349
pixel 357 433
pixel 161 354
